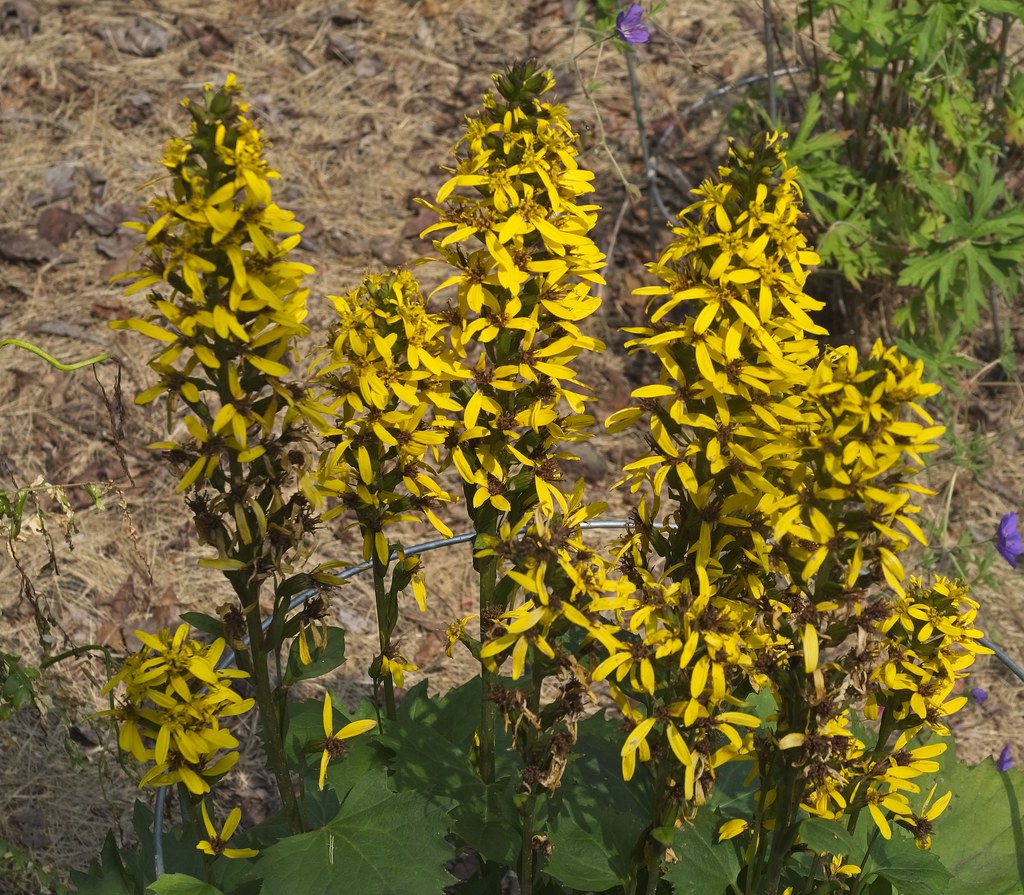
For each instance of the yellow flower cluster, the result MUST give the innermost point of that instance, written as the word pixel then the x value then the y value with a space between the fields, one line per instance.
pixel 778 501
pixel 931 641
pixel 559 578
pixel 524 263
pixel 388 377
pixel 228 305
pixel 170 711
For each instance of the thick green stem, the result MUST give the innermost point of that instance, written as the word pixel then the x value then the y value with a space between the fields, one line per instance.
pixel 754 864
pixel 529 746
pixel 487 569
pixel 654 853
pixel 865 866
pixel 190 815
pixel 273 738
pixel 651 850
pixel 785 829
pixel 386 614
pixel 526 853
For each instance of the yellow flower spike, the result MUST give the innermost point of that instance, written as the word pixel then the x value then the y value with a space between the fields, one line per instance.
pixel 216 844
pixel 334 746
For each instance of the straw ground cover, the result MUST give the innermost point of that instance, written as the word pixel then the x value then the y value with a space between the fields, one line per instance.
pixel 361 103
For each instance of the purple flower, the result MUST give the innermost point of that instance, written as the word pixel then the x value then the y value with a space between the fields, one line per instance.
pixel 979 695
pixel 630 28
pixel 1008 540
pixel 1005 760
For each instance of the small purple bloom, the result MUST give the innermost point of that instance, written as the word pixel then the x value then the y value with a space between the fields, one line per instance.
pixel 979 695
pixel 1005 760
pixel 1008 540
pixel 630 28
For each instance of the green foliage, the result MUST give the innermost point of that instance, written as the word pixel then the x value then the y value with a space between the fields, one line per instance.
pixel 180 884
pixel 982 833
pixel 913 119
pixel 17 867
pixel 327 658
pixel 379 841
pixel 16 684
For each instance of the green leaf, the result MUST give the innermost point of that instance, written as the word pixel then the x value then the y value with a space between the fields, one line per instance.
pixel 980 836
pixel 910 869
pixel 180 884
pixel 303 743
pixel 208 624
pixel 381 842
pixel 827 837
pixel 596 817
pixel 486 819
pixel 432 739
pixel 106 875
pixel 704 866
pixel 324 660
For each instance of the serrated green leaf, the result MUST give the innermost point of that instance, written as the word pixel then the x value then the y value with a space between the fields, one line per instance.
pixel 909 868
pixel 486 819
pixel 106 875
pixel 327 659
pixel 596 818
pixel 704 866
pixel 180 884
pixel 980 836
pixel 381 842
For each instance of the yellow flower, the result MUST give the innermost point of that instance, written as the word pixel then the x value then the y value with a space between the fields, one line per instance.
pixel 217 844
pixel 877 800
pixel 921 825
pixel 732 828
pixel 334 745
pixel 455 632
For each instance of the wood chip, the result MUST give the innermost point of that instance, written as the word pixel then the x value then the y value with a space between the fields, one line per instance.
pixel 16 246
pixel 57 225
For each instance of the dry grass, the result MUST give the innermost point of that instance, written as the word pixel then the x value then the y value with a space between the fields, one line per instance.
pixel 354 143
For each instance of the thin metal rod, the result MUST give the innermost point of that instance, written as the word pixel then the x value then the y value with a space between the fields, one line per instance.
pixel 1002 657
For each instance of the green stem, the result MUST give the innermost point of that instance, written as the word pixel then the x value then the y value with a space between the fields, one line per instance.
pixel 526 853
pixel 529 749
pixel 273 739
pixel 652 849
pixel 386 614
pixel 487 569
pixel 190 810
pixel 77 651
pixel 51 360
pixel 865 865
pixel 785 830
pixel 655 852
pixel 754 864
